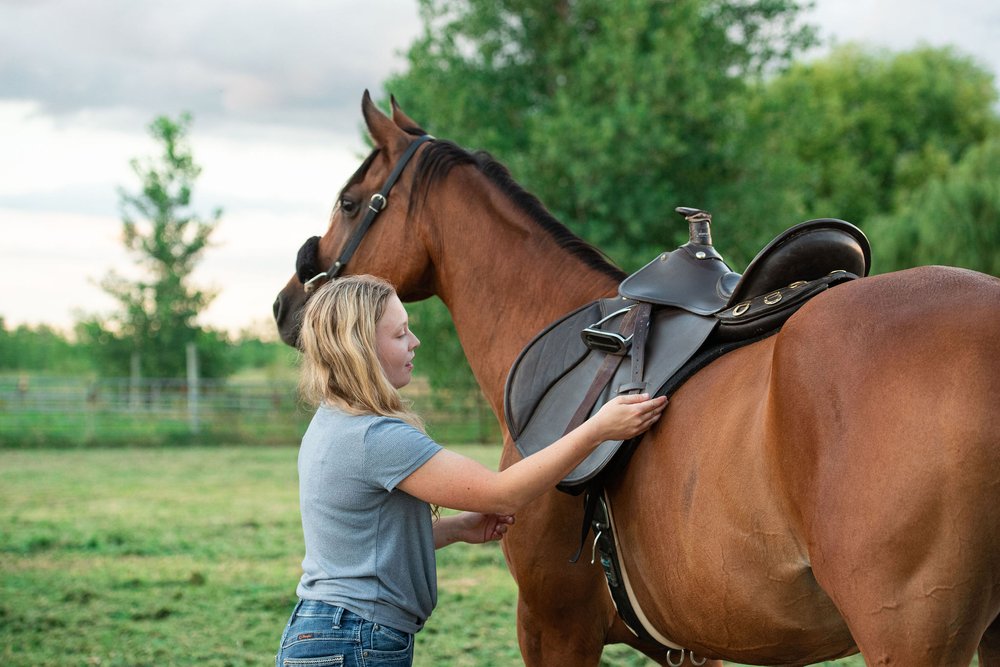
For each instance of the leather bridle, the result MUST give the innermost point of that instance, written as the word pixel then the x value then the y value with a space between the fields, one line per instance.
pixel 376 204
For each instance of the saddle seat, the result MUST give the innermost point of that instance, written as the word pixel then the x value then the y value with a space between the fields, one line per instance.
pixel 700 310
pixel 695 278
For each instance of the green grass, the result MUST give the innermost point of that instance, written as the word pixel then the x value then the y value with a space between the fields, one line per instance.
pixel 181 556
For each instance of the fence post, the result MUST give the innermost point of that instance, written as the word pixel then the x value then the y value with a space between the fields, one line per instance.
pixel 133 381
pixel 192 386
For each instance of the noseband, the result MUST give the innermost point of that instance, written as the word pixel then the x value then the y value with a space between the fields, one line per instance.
pixel 306 264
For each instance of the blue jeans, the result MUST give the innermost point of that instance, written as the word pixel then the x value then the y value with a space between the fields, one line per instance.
pixel 322 635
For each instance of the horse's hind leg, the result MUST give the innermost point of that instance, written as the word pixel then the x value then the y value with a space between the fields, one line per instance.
pixel 896 627
pixel 922 621
pixel 989 646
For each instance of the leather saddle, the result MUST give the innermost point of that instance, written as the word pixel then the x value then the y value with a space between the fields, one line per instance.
pixel 672 317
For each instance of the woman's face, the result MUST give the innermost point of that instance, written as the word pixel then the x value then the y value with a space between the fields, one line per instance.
pixel 395 343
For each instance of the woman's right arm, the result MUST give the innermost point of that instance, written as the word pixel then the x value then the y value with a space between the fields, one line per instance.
pixel 457 482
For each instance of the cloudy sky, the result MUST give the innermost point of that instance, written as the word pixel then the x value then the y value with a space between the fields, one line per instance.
pixel 275 90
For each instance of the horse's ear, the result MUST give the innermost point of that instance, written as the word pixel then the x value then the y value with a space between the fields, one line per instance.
pixel 383 131
pixel 403 121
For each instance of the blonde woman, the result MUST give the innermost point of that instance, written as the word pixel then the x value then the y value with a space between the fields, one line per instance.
pixel 368 476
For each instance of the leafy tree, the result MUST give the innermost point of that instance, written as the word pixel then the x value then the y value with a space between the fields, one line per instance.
pixel 158 311
pixel 851 135
pixel 613 113
pixel 257 352
pixel 953 219
pixel 440 357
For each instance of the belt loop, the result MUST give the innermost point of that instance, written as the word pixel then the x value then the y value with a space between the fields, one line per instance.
pixel 338 612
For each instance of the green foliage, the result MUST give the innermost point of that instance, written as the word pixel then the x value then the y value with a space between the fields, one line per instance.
pixel 613 113
pixel 440 358
pixel 851 135
pixel 258 355
pixel 157 312
pixel 953 219
pixel 40 348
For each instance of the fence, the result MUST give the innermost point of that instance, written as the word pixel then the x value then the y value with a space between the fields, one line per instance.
pixel 49 411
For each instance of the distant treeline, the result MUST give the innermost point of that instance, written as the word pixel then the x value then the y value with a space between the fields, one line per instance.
pixel 44 349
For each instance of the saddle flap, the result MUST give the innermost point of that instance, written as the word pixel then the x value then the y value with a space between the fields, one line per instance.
pixel 541 416
pixel 545 360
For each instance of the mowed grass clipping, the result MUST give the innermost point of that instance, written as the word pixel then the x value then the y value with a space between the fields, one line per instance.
pixel 181 556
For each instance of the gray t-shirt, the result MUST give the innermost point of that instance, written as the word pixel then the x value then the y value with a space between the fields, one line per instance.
pixel 369 548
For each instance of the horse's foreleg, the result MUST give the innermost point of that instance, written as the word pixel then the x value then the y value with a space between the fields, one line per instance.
pixel 563 639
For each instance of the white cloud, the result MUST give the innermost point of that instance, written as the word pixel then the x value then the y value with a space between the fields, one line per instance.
pixel 224 59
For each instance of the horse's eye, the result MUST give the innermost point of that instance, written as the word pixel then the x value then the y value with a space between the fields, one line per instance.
pixel 348 206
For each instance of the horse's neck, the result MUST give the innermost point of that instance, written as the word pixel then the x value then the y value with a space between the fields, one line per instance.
pixel 503 279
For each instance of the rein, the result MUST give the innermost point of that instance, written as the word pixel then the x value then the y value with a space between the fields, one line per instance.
pixel 376 204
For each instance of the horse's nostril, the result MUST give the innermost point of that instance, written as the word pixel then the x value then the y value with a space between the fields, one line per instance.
pixel 277 309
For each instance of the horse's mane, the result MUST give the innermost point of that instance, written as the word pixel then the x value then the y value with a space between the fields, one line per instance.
pixel 441 156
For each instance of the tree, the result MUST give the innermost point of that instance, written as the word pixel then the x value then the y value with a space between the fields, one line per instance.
pixel 953 219
pixel 613 113
pixel 158 311
pixel 851 135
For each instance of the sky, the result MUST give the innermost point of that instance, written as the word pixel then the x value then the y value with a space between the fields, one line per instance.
pixel 275 89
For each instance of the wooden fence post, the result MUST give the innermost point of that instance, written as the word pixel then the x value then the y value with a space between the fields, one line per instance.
pixel 192 386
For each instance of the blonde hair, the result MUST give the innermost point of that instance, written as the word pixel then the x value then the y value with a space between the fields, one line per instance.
pixel 340 362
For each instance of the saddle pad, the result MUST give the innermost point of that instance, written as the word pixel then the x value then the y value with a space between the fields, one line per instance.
pixel 549 380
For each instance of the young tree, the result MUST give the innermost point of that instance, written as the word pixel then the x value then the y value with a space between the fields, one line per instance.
pixel 157 316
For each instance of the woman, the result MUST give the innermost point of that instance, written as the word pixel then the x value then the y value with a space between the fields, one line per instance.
pixel 368 476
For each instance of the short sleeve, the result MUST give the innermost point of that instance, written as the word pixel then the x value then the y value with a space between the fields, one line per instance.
pixel 394 449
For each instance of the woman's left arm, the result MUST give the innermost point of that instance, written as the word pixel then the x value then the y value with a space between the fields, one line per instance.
pixel 471 527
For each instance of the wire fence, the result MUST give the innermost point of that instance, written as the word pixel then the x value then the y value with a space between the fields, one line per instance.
pixel 40 411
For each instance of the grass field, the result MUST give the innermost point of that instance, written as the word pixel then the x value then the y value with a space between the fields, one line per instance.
pixel 182 556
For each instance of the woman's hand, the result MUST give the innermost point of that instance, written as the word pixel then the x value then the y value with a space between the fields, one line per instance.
pixel 627 416
pixel 479 528
pixel 471 527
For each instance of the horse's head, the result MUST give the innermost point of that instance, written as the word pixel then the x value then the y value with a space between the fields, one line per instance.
pixel 369 231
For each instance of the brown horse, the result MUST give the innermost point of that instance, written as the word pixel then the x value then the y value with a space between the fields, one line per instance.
pixel 833 488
